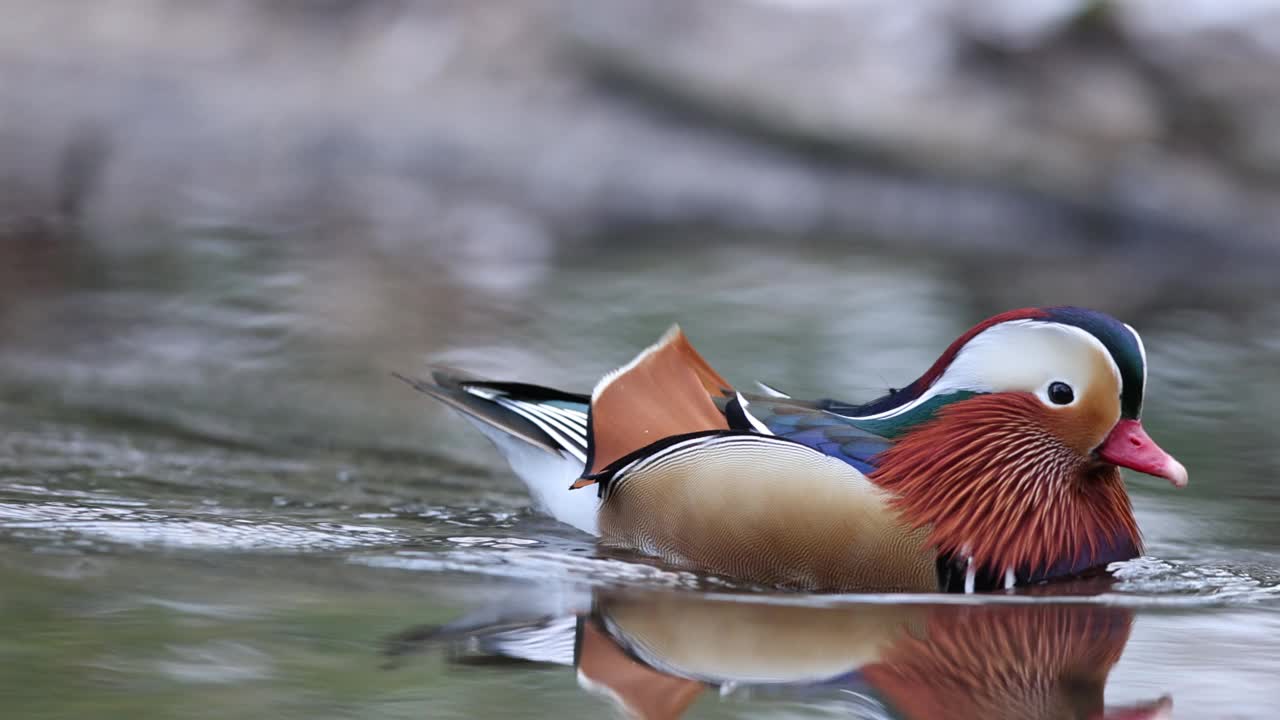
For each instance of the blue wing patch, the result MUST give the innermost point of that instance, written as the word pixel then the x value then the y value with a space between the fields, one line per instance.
pixel 827 433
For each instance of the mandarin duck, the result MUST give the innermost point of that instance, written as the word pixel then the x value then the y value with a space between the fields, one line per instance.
pixel 997 467
pixel 655 654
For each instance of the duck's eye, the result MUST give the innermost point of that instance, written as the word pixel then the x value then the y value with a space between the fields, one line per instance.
pixel 1061 393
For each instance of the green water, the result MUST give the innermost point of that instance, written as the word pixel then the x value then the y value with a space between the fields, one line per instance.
pixel 215 501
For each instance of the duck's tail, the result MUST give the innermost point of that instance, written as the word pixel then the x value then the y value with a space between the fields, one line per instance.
pixel 541 431
pixel 556 440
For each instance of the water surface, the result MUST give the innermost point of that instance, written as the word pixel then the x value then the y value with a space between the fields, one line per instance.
pixel 215 502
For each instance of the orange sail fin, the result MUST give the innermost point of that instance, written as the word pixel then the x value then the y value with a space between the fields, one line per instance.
pixel 664 391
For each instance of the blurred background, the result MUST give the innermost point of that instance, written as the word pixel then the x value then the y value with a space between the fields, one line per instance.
pixel 258 204
pixel 223 224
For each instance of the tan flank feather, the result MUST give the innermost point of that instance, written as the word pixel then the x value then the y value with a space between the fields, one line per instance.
pixel 757 508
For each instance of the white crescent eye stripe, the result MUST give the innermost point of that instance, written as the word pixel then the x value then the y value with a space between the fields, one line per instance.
pixel 995 360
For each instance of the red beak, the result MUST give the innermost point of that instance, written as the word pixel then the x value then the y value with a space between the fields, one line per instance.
pixel 1129 446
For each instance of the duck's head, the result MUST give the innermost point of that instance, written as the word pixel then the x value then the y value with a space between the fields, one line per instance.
pixel 1009 445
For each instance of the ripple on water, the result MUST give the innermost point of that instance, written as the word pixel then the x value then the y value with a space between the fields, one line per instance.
pixel 96 498
pixel 212 663
pixel 542 551
pixel 1208 583
pixel 492 559
pixel 497 543
pixel 128 526
pixel 1141 583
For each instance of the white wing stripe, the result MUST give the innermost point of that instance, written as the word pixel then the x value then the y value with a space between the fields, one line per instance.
pixel 574 416
pixel 576 435
pixel 515 407
pixel 755 422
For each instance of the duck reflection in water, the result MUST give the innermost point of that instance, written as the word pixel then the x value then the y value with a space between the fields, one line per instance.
pixel 655 654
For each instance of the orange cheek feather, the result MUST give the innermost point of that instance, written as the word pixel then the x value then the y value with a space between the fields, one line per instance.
pixel 1083 426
